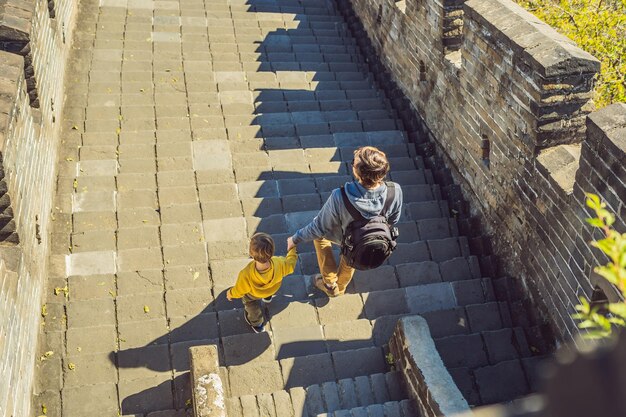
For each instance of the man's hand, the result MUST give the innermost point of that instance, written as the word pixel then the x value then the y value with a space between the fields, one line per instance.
pixel 228 296
pixel 290 244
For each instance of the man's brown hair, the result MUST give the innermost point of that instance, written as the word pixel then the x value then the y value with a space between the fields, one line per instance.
pixel 261 247
pixel 371 165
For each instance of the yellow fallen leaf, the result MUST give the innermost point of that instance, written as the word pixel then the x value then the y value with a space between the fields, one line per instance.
pixel 75 184
pixel 71 366
pixel 196 275
pixel 79 348
pixel 69 159
pixel 44 310
pixel 46 355
pixel 44 409
pixel 146 309
pixel 74 127
pixel 117 131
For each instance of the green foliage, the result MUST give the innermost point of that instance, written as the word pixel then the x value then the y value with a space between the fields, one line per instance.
pixel 614 247
pixel 598 27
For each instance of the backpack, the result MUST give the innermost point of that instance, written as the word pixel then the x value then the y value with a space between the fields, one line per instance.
pixel 367 243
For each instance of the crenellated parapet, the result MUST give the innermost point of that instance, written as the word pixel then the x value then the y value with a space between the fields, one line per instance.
pixel 505 102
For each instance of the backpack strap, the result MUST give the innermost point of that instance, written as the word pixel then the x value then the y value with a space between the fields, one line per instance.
pixel 391 196
pixel 356 215
pixel 351 209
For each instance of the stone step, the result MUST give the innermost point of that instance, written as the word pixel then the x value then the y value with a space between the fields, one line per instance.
pixel 483 349
pixel 330 396
pixel 269 19
pixel 404 408
pixel 266 54
pixel 293 313
pixel 498 383
pixel 374 120
pixel 336 67
pixel 249 127
pixel 303 371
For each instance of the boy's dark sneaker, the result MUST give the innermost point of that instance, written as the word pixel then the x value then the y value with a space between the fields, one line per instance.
pixel 267 300
pixel 256 329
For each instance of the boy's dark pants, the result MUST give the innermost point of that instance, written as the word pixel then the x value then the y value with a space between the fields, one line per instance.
pixel 254 311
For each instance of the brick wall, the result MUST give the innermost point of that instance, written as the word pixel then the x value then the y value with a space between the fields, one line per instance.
pixel 33 52
pixel 504 100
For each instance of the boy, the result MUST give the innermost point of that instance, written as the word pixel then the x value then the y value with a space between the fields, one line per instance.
pixel 261 278
pixel 368 195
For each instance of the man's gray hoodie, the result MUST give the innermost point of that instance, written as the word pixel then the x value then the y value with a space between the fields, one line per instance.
pixel 333 218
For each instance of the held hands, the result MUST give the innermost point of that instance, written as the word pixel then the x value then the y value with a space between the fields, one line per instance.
pixel 228 296
pixel 290 244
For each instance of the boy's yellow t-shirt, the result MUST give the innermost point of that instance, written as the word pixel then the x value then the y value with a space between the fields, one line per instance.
pixel 263 284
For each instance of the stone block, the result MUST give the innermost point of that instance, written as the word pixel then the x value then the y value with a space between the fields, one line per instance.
pixel 90 340
pixel 89 313
pixel 247 348
pixel 447 322
pixel 146 395
pixel 139 259
pixel 471 355
pixel 189 301
pixel 90 287
pixel 255 378
pixel 349 335
pixel 502 381
pixel 334 310
pixel 384 303
pixel 140 282
pixel 82 369
pixel 430 297
pixel 144 362
pixel 298 341
pixel 382 278
pixel 307 370
pixel 363 390
pixel 145 332
pixel 81 400
pixel 418 273
pixel 364 361
pixel 91 263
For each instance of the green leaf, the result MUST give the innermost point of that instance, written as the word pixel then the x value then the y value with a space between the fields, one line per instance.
pixel 607 273
pixel 606 245
pixel 587 324
pixel 595 222
pixel 593 201
pixel 619 309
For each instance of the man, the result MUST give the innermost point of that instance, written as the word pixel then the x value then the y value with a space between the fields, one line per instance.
pixel 367 194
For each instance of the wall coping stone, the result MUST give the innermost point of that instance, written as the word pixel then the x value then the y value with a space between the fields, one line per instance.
pixel 15 20
pixel 424 354
pixel 540 46
pixel 607 127
pixel 207 389
pixel 561 163
pixel 11 70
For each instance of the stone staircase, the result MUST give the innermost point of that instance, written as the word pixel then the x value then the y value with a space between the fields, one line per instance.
pixel 262 131
pixel 326 357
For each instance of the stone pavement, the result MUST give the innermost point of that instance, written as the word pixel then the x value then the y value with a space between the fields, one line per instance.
pixel 188 127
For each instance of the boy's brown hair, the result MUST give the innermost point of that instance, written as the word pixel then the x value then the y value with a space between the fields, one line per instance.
pixel 261 247
pixel 371 165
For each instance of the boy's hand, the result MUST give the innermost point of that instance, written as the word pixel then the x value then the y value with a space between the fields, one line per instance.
pixel 290 244
pixel 228 296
